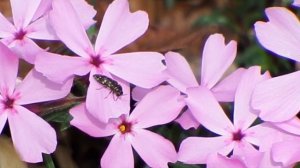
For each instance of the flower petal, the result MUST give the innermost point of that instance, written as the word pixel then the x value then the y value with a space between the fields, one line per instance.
pixel 69 29
pixel 120 27
pixel 225 90
pixel 281 34
pixel 215 62
pixel 85 12
pixel 41 29
pixel 139 93
pixel 9 63
pixel 86 123
pixel 243 116
pixel 3 119
pixel 23 11
pixel 195 150
pixel 291 126
pixel 154 149
pixel 215 160
pixel 248 154
pixel 187 120
pixel 6 28
pixel 160 106
pixel 120 150
pixel 177 63
pixel 143 69
pixel 287 152
pixel 26 49
pixel 278 98
pixel 296 3
pixel 52 65
pixel 37 88
pixel 27 128
pixel 104 104
pixel 207 110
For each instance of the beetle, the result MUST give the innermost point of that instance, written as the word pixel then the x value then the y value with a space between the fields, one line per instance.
pixel 110 84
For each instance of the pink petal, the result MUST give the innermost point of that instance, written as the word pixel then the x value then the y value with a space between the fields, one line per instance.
pixel 243 116
pixel 26 49
pixel 52 65
pixel 31 135
pixel 85 12
pixel 37 88
pixel 195 150
pixel 296 3
pixel 278 98
pixel 86 123
pixel 69 29
pixel 3 119
pixel 118 153
pixel 154 149
pixel 248 154
pixel 207 110
pixel 9 63
pixel 103 104
pixel 216 61
pixel 120 27
pixel 281 33
pixel 177 63
pixel 187 120
pixel 291 126
pixel 43 9
pixel 287 152
pixel 41 29
pixel 225 90
pixel 160 106
pixel 143 69
pixel 6 28
pixel 215 160
pixel 23 11
pixel 139 93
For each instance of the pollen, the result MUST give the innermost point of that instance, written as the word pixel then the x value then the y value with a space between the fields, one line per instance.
pixel 125 127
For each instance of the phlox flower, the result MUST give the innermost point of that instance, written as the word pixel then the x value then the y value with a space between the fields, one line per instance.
pixel 158 107
pixel 214 64
pixel 239 136
pixel 277 99
pixel 30 134
pixel 30 21
pixel 119 28
pixel 296 3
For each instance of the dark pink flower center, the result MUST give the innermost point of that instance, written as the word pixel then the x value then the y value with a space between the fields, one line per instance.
pixel 237 136
pixel 125 127
pixel 96 61
pixel 9 103
pixel 20 34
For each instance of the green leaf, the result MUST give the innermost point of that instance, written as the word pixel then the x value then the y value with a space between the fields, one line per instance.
pixel 48 161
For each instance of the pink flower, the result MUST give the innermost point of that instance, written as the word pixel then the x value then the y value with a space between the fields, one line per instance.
pixel 119 28
pixel 158 107
pixel 277 99
pixel 238 137
pixel 30 21
pixel 214 64
pixel 296 3
pixel 31 135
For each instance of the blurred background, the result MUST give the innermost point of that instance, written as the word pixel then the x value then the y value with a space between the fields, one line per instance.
pixel 177 25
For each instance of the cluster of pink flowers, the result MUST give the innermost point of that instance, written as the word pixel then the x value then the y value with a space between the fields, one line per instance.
pixel 264 131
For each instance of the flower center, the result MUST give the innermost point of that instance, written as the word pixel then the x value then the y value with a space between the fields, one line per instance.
pixel 9 103
pixel 237 136
pixel 20 34
pixel 125 127
pixel 96 61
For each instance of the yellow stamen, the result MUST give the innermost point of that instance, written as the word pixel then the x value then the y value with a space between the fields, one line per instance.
pixel 122 128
